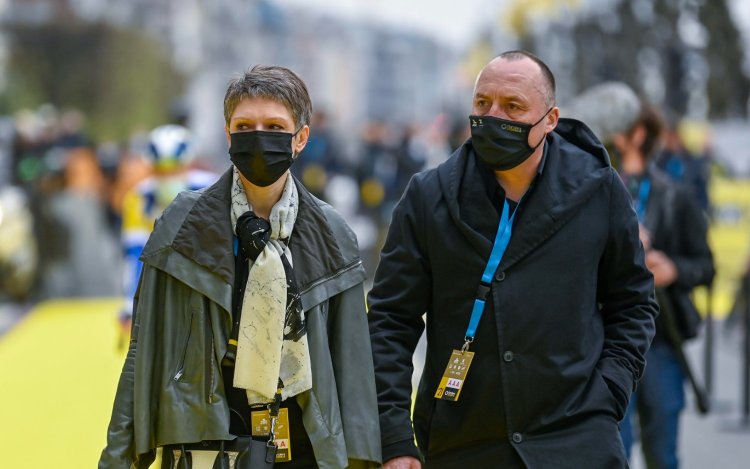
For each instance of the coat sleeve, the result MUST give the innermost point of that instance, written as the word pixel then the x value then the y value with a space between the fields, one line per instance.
pixel 120 450
pixel 626 298
pixel 694 261
pixel 400 296
pixel 351 356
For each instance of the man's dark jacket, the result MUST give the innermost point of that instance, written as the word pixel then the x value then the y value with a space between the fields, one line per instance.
pixel 569 317
pixel 678 227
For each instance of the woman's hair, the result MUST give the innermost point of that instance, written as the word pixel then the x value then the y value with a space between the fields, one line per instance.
pixel 273 82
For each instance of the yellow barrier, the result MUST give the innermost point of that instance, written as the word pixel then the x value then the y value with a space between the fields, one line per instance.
pixel 729 237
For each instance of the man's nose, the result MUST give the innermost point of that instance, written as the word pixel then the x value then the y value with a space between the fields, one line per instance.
pixel 497 111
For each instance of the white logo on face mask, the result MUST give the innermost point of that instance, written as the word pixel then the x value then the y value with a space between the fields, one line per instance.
pixel 511 128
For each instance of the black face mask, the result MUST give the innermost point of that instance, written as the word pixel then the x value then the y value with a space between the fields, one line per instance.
pixel 261 156
pixel 502 144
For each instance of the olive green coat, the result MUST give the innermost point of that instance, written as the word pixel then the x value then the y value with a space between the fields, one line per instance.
pixel 171 389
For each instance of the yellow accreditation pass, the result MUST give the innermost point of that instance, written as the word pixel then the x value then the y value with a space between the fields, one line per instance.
pixel 261 422
pixel 454 376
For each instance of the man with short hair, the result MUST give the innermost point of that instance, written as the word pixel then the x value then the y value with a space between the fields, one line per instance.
pixel 523 252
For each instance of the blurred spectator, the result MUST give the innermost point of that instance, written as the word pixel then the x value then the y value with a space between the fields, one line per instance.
pixel 411 156
pixel 674 234
pixel 170 155
pixel 689 164
pixel 18 253
pixel 378 168
pixel 66 192
pixel 321 158
pixel 89 264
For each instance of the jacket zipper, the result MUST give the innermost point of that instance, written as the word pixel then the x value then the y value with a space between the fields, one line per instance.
pixel 210 368
pixel 181 369
pixel 331 277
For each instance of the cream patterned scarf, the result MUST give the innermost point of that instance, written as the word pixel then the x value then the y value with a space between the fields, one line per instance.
pixel 268 350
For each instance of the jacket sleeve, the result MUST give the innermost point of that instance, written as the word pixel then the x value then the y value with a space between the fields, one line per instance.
pixel 694 261
pixel 626 298
pixel 352 363
pixel 120 450
pixel 398 299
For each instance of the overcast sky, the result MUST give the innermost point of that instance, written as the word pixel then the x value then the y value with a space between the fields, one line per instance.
pixel 456 21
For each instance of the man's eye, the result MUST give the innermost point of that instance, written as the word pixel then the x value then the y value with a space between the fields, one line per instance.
pixel 481 103
pixel 276 127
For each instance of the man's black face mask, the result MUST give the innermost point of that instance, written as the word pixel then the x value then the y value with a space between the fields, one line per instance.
pixel 502 144
pixel 260 156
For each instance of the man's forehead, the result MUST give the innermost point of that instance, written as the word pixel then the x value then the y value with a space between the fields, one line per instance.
pixel 499 66
pixel 520 71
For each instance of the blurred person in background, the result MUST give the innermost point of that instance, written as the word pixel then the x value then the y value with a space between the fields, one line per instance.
pixel 321 158
pixel 91 265
pixel 673 230
pixel 18 250
pixel 64 184
pixel 543 377
pixel 170 155
pixel 250 300
pixel 688 162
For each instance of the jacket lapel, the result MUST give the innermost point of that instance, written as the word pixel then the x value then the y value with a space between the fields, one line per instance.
pixel 568 180
pixel 206 238
pixel 313 245
pixel 466 201
pixel 206 235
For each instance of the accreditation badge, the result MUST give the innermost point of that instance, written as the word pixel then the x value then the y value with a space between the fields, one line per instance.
pixel 454 376
pixel 261 422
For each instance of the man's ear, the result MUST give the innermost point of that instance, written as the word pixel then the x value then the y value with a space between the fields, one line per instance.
pixel 300 140
pixel 229 138
pixel 551 120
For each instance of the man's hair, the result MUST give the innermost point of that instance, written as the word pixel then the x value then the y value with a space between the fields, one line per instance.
pixel 547 76
pixel 653 123
pixel 272 82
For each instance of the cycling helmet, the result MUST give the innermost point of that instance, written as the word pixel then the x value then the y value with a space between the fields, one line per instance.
pixel 169 147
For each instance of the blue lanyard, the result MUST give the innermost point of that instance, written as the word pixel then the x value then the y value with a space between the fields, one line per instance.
pixel 498 250
pixel 643 192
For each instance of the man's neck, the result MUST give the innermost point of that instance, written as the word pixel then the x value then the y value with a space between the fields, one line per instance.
pixel 262 199
pixel 516 181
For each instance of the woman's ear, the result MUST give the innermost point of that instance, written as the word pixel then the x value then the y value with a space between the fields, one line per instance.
pixel 300 140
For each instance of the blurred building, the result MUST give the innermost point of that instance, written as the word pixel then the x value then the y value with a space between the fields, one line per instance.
pixel 356 71
pixel 688 56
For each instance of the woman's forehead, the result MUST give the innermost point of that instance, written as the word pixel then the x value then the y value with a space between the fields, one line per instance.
pixel 260 107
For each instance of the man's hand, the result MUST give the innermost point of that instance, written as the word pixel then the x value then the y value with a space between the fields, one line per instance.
pixel 403 462
pixel 664 270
